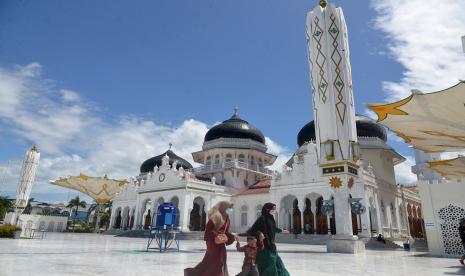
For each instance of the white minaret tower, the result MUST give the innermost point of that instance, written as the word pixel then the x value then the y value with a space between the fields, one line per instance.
pixel 334 111
pixel 27 176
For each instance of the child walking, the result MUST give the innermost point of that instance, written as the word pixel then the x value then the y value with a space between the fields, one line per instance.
pixel 249 267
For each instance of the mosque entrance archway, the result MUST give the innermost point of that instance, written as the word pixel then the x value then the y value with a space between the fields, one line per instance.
pixel 321 219
pixel 197 217
pixel 309 225
pixel 355 228
pixel 175 201
pixel 125 224
pixel 131 220
pixel 296 218
pixel 354 224
pixel 118 219
pixel 373 214
pixel 146 220
pixel 291 214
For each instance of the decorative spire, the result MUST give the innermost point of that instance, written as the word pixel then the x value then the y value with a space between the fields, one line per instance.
pixel 235 110
pixel 170 144
pixel 34 148
pixel 323 3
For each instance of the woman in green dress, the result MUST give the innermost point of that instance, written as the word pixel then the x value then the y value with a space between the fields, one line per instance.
pixel 268 261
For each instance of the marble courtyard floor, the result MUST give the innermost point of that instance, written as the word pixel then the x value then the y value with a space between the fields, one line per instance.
pixel 89 254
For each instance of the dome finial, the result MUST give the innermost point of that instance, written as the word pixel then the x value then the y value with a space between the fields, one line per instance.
pixel 323 3
pixel 170 144
pixel 235 110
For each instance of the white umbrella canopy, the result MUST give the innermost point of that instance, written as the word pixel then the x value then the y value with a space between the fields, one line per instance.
pixel 101 189
pixel 451 168
pixel 432 122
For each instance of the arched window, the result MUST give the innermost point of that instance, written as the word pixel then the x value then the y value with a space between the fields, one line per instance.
pixel 217 159
pixel 241 158
pixel 209 161
pixel 252 160
pixel 244 210
pixel 228 157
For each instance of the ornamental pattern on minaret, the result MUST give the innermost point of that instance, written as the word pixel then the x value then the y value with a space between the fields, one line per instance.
pixel 331 80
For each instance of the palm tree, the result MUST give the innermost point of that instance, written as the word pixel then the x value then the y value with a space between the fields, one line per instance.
pixel 6 205
pixel 105 208
pixel 76 202
pixel 92 207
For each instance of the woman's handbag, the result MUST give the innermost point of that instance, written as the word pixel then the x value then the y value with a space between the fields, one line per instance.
pixel 222 237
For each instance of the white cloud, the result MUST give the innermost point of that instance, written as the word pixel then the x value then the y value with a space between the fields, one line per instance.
pixel 74 139
pixel 27 105
pixel 69 96
pixel 403 171
pixel 281 152
pixel 424 37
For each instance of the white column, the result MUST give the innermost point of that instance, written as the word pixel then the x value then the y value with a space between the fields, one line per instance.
pixel 301 201
pixel 183 207
pixel 379 221
pixel 343 215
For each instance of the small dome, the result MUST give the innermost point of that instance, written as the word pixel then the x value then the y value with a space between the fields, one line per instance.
pixel 366 127
pixel 150 163
pixel 235 127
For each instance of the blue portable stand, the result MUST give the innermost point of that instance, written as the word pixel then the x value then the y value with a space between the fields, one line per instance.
pixel 164 232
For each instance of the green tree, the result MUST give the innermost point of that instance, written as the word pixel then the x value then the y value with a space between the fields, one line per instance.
pixel 45 212
pixel 6 205
pixel 76 202
pixel 105 214
pixel 92 208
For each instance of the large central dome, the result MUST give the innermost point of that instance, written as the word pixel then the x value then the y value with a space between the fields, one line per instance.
pixel 366 127
pixel 235 127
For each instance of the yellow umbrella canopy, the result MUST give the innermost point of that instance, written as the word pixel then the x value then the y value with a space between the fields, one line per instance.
pixel 451 168
pixel 101 189
pixel 433 122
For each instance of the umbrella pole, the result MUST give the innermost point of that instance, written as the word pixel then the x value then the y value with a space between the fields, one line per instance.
pixel 97 221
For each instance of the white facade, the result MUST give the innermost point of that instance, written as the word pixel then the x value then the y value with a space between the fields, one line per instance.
pixel 30 223
pixel 136 204
pixel 443 205
pixel 303 185
pixel 385 201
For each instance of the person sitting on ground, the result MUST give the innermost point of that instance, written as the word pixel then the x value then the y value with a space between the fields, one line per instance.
pixel 381 239
pixel 462 236
pixel 249 267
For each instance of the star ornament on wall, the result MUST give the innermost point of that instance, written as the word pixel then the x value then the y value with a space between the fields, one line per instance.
pixel 335 182
pixel 350 184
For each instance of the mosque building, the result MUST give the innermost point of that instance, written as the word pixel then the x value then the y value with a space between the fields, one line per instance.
pixel 340 181
pixel 234 166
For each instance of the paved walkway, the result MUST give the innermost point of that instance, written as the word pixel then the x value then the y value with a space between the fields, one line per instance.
pixel 91 254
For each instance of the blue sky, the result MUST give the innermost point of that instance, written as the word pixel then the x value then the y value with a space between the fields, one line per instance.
pixel 163 67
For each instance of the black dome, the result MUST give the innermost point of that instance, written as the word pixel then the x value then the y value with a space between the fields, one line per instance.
pixel 366 127
pixel 149 164
pixel 235 127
